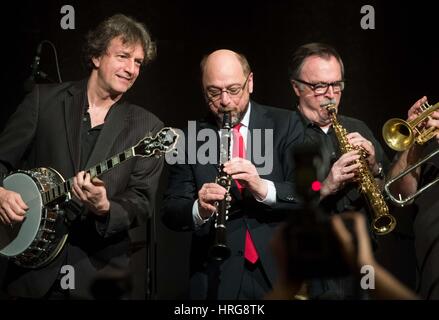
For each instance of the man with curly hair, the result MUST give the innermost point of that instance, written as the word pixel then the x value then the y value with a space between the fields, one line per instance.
pixel 70 127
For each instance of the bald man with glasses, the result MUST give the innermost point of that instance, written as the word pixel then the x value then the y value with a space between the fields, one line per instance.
pixel 259 198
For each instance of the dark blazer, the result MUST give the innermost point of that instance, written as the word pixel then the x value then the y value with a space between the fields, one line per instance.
pixel 186 179
pixel 426 228
pixel 45 132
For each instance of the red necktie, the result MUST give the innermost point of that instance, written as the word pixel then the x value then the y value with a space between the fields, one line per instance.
pixel 250 252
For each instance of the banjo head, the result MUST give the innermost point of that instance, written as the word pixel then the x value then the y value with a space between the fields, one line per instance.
pixel 16 238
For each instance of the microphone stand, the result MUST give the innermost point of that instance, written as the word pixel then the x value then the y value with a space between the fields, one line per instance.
pixel 37 72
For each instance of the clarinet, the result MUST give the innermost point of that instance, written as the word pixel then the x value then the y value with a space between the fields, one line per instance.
pixel 219 250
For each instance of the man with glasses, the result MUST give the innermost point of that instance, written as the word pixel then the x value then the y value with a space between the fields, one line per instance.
pixel 317 78
pixel 259 200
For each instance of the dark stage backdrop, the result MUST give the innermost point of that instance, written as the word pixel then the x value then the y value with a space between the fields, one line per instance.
pixel 387 69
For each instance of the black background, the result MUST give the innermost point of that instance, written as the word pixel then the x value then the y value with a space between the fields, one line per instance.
pixel 387 70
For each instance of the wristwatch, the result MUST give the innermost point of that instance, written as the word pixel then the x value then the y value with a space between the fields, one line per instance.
pixel 380 173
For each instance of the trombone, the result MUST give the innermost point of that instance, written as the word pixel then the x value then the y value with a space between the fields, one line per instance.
pixel 402 202
pixel 400 135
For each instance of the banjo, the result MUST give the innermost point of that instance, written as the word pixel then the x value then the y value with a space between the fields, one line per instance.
pixel 41 236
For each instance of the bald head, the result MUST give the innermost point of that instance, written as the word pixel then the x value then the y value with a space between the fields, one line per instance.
pixel 224 61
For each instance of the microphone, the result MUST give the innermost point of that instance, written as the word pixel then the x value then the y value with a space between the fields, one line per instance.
pixel 30 82
pixel 36 63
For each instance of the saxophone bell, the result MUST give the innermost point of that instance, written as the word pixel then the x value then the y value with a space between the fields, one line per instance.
pixel 383 224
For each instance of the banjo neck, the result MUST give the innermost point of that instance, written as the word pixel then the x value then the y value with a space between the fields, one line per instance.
pixel 150 146
pixel 63 189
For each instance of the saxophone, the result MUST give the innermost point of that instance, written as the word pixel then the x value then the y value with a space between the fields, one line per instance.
pixel 382 222
pixel 219 250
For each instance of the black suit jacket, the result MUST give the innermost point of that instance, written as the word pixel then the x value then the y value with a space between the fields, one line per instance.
pixel 186 179
pixel 426 228
pixel 45 132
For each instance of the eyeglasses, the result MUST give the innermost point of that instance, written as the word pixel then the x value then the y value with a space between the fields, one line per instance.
pixel 214 94
pixel 322 87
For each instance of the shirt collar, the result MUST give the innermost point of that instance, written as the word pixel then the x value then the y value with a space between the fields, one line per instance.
pixel 309 124
pixel 305 121
pixel 246 119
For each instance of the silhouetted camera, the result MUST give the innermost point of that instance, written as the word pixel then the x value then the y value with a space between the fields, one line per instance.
pixel 312 246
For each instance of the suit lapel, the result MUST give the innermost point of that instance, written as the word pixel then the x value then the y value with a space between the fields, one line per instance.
pixel 258 120
pixel 114 124
pixel 73 112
